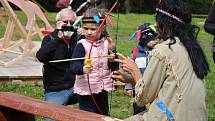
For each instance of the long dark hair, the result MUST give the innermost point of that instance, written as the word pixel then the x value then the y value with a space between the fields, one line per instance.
pixel 175 16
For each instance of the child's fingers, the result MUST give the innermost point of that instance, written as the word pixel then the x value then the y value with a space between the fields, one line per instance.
pixel 109 39
pixel 112 56
pixel 111 52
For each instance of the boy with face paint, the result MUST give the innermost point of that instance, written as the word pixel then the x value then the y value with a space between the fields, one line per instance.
pixel 148 38
pixel 57 79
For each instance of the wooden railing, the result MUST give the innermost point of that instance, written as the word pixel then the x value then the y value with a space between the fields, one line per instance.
pixel 15 107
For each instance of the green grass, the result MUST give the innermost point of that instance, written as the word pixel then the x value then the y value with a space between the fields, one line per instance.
pixel 121 104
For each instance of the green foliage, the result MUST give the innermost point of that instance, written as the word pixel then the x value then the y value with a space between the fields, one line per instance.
pixel 28 90
pixel 120 103
pixel 136 6
pixel 200 6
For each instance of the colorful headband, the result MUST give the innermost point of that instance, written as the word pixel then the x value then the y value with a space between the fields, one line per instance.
pixel 94 19
pixel 97 19
pixel 139 32
pixel 170 15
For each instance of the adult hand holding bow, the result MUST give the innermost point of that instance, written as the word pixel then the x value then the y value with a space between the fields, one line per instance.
pixel 127 66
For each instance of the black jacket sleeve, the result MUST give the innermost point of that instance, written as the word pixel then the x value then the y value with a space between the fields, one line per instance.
pixel 209 25
pixel 76 67
pixel 44 54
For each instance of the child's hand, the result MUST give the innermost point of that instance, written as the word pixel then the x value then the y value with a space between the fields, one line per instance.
pixel 129 92
pixel 110 44
pixel 112 56
pixel 87 66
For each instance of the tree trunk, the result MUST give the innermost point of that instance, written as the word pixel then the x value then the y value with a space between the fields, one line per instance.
pixel 127 6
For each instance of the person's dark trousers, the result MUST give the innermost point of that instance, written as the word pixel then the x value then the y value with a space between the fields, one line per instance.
pixel 86 103
pixel 138 109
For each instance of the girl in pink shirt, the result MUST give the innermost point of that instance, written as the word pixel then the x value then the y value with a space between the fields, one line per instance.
pixel 93 82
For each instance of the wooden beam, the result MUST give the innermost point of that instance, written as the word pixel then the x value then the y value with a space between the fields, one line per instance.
pixel 42 108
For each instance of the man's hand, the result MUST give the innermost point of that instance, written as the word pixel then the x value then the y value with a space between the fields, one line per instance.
pixel 59 26
pixel 80 31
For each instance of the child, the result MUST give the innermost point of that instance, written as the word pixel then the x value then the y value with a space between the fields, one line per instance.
pixel 93 81
pixel 148 38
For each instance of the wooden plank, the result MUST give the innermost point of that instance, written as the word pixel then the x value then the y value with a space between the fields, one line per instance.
pixel 11 51
pixel 29 67
pixel 46 109
pixel 31 10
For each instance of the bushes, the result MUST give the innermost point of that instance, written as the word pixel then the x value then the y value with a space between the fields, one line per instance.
pixel 200 6
pixel 136 6
pixel 147 6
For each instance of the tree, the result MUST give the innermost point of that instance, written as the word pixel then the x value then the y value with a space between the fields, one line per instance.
pixel 127 6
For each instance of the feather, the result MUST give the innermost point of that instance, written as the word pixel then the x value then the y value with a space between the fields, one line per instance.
pixel 153 28
pixel 109 21
pixel 96 19
pixel 78 20
pixel 132 36
pixel 138 35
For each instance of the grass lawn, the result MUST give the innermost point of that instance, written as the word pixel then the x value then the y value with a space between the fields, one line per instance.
pixel 121 104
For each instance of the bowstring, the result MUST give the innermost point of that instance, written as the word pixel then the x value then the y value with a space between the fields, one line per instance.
pixel 116 37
